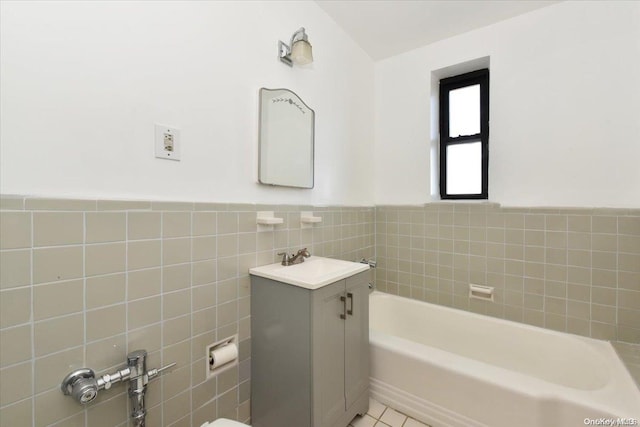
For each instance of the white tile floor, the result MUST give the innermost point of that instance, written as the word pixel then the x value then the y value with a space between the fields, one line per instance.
pixel 380 415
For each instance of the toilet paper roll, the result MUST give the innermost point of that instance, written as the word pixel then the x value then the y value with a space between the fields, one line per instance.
pixel 223 355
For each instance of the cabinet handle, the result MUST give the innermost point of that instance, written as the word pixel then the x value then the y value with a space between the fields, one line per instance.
pixel 350 311
pixel 344 307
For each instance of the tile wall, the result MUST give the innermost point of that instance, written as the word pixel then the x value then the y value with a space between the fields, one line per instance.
pixel 573 270
pixel 83 282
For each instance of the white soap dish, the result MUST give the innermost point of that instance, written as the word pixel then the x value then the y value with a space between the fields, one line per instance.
pixel 267 218
pixel 481 292
pixel 307 218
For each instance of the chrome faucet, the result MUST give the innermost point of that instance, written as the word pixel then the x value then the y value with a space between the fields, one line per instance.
pixel 294 259
pixel 300 256
pixel 83 385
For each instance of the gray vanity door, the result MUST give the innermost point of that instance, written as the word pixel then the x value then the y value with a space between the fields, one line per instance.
pixel 356 379
pixel 328 354
pixel 280 354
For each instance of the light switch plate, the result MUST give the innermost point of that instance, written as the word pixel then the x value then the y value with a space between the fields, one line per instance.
pixel 167 142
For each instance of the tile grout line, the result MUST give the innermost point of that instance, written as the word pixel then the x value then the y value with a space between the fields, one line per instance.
pixel 162 214
pixel 191 228
pixel 32 324
pixel 84 300
pixel 617 301
pixel 126 289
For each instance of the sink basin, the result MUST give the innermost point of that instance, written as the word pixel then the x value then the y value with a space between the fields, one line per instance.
pixel 313 273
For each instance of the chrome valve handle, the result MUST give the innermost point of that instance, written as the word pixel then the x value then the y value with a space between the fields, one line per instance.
pixel 81 385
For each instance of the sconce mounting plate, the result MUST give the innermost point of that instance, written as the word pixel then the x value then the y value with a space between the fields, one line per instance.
pixel 284 53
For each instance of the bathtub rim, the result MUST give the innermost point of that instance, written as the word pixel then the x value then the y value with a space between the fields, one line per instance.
pixel 619 379
pixel 472 314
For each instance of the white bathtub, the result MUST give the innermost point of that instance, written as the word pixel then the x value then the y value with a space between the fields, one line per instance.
pixel 449 367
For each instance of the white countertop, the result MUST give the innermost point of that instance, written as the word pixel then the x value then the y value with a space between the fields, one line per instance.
pixel 313 273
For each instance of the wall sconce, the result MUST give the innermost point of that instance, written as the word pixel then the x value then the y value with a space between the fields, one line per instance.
pixel 300 51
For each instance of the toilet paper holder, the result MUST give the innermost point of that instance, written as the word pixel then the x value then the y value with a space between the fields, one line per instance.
pixel 227 352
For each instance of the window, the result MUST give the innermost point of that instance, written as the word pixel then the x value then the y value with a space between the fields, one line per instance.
pixel 464 136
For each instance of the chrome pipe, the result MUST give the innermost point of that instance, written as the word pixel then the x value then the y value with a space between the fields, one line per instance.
pixel 137 362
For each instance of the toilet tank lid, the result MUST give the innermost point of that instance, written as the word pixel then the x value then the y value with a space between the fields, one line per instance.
pixel 223 422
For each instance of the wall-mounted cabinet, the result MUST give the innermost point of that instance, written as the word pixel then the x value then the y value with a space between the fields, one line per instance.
pixel 309 352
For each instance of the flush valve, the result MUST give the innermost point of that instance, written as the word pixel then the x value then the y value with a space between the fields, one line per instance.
pixel 81 385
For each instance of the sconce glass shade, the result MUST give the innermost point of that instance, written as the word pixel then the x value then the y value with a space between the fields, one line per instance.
pixel 301 53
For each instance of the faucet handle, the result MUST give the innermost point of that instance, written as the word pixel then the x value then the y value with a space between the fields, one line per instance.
pixel 285 258
pixel 304 253
pixel 371 262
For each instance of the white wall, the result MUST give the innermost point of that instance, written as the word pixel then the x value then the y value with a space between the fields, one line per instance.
pixel 84 82
pixel 564 109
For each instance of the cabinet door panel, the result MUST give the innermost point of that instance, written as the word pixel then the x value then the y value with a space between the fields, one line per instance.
pixel 328 330
pixel 281 358
pixel 356 379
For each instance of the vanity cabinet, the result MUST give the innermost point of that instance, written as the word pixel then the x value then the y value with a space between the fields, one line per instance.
pixel 309 352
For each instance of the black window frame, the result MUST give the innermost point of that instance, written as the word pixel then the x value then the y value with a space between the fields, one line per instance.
pixel 448 84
